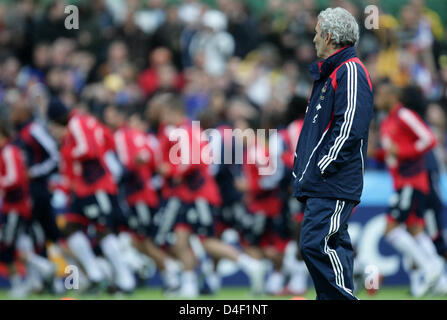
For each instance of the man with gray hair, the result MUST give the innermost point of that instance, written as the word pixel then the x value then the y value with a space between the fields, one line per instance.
pixel 329 159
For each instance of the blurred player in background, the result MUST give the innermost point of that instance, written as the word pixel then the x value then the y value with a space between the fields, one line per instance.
pixel 140 155
pixel 16 217
pixel 294 265
pixel 193 194
pixel 406 139
pixel 42 160
pixel 92 191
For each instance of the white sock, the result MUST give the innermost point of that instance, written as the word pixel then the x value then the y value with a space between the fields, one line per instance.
pixel 214 281
pixel 110 248
pixel 245 261
pixel 402 241
pixel 82 250
pixel 171 273
pixel 189 284
pixel 172 265
pixel 16 280
pixel 427 245
pixel 45 267
pixel 275 282
pixel 300 266
pixel 189 276
pixel 33 277
pixel 41 264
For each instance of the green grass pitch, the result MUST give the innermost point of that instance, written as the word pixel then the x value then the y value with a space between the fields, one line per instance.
pixel 229 293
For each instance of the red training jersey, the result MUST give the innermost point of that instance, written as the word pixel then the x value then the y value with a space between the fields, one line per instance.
pixel 413 138
pixel 139 154
pixel 14 183
pixel 83 167
pixel 189 179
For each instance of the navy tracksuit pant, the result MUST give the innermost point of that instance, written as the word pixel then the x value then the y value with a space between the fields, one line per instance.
pixel 326 247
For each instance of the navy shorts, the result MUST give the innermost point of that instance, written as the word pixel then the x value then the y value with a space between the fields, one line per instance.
pixel 407 201
pixel 261 230
pixel 165 220
pixel 42 211
pixel 12 225
pixel 142 220
pixel 230 216
pixel 101 209
pixel 197 217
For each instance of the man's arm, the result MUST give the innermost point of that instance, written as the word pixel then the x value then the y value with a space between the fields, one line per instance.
pixel 47 143
pixel 350 121
pixel 425 139
pixel 12 176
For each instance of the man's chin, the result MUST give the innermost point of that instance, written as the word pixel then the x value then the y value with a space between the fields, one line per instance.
pixel 318 54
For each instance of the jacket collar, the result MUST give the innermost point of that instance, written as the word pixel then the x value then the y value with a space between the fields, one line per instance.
pixel 322 69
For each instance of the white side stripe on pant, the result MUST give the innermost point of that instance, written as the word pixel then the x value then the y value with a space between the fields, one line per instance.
pixel 332 254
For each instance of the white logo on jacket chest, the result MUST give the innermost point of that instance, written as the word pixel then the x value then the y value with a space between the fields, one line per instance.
pixel 318 107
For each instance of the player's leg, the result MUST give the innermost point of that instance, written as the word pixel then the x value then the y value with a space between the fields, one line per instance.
pixel 418 230
pixel 294 264
pixel 11 224
pixel 433 216
pixel 412 243
pixel 183 251
pixel 178 215
pixel 277 238
pixel 218 249
pixel 38 265
pixel 326 260
pixel 107 223
pixel 81 250
pixel 275 281
pixel 73 224
pixel 396 233
pixel 43 211
pixel 143 222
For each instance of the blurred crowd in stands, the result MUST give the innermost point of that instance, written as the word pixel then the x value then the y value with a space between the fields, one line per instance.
pixel 226 58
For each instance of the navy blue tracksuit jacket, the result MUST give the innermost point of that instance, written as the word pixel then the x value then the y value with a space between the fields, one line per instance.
pixel 329 158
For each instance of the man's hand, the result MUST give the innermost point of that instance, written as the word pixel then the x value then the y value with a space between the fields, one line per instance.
pixel 163 169
pixel 393 150
pixel 241 184
pixel 390 147
pixel 141 159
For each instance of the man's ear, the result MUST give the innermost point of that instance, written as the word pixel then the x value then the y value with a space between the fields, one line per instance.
pixel 327 39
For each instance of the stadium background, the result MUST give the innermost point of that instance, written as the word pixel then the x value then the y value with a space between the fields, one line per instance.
pixel 29 29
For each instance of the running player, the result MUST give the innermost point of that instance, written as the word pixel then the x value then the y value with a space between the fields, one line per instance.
pixel 192 194
pixel 89 184
pixel 42 159
pixel 140 155
pixel 266 227
pixel 293 264
pixel 406 139
pixel 16 216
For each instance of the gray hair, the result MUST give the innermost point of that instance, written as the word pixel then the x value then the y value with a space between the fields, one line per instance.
pixel 341 25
